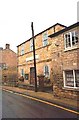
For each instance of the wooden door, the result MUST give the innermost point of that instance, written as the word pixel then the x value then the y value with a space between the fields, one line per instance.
pixel 32 75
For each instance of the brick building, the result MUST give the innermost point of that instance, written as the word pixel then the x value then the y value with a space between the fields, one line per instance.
pixel 8 64
pixel 57 58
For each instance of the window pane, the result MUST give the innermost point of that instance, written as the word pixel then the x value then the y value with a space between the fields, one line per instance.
pixel 22 50
pixel 26 76
pixel 46 71
pixel 45 42
pixel 31 45
pixel 74 38
pixel 77 78
pixel 22 72
pixel 45 39
pixel 67 40
pixel 69 78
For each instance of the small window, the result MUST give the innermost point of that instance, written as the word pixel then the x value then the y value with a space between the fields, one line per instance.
pixel 45 39
pixel 22 50
pixel 26 76
pixel 31 45
pixel 22 72
pixel 46 71
pixel 4 66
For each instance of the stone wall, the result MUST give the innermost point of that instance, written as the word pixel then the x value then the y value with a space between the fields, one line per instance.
pixel 43 53
pixel 63 60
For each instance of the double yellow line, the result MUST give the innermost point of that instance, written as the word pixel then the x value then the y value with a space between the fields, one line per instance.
pixel 43 101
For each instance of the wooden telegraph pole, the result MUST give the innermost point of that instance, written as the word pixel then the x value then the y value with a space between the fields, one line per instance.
pixel 34 56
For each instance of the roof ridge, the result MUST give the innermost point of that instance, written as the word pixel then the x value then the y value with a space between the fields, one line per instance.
pixel 42 32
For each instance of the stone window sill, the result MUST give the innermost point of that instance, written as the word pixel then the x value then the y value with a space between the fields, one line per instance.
pixel 72 48
pixel 73 89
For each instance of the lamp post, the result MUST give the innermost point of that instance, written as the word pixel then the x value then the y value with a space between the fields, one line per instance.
pixel 34 56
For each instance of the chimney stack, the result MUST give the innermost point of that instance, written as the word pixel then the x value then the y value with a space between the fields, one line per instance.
pixel 7 46
pixel 1 48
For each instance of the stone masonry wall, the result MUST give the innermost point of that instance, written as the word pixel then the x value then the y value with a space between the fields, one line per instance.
pixel 44 54
pixel 62 60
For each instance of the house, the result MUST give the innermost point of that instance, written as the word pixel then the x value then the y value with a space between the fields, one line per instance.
pixel 57 51
pixel 42 51
pixel 8 64
pixel 65 62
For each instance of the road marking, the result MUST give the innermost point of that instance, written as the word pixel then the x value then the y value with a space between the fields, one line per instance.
pixel 43 101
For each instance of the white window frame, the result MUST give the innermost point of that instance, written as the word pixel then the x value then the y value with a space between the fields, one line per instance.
pixel 22 71
pixel 48 70
pixel 71 45
pixel 64 79
pixel 45 40
pixel 31 45
pixel 22 49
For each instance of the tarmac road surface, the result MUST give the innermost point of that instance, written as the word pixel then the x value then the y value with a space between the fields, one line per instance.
pixel 15 106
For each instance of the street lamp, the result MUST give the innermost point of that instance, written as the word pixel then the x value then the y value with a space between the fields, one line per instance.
pixel 34 57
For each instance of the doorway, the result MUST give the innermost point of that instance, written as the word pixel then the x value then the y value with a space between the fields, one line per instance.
pixel 32 75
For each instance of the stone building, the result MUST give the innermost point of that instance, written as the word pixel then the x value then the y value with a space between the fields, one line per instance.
pixel 65 62
pixel 57 50
pixel 43 55
pixel 8 64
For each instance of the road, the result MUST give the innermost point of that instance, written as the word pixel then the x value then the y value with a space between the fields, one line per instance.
pixel 15 106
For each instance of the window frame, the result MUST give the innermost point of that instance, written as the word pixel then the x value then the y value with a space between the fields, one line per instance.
pixel 46 71
pixel 71 41
pixel 22 71
pixel 22 49
pixel 31 45
pixel 74 78
pixel 45 39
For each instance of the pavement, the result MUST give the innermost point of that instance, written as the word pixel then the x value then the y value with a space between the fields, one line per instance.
pixel 64 102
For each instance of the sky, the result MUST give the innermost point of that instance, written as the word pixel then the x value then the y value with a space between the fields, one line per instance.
pixel 16 17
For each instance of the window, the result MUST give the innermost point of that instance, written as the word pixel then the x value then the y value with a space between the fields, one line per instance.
pixel 22 72
pixel 45 39
pixel 71 78
pixel 74 38
pixel 31 45
pixel 3 66
pixel 68 42
pixel 71 39
pixel 46 71
pixel 26 76
pixel 22 50
pixel 77 77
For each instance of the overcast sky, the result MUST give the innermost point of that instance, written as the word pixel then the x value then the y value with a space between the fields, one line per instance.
pixel 16 17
